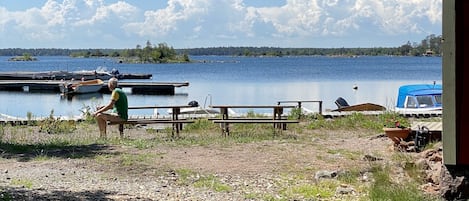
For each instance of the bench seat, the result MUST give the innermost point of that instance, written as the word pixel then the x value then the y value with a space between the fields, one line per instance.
pixel 153 121
pixel 177 124
pixel 278 123
pixel 255 121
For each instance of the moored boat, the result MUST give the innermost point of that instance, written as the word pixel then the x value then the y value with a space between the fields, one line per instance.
pixel 343 106
pixel 89 86
pixel 100 73
pixel 419 98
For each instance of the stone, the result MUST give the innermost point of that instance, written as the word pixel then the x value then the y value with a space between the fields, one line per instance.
pixel 325 174
pixel 454 186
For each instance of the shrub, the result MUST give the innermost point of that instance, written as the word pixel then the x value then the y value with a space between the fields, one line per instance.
pixel 53 125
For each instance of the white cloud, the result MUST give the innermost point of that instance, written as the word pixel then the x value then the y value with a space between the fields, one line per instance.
pixel 399 16
pixel 164 21
pixel 216 22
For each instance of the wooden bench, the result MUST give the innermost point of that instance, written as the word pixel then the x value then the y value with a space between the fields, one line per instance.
pixel 277 120
pixel 277 123
pixel 174 120
pixel 177 124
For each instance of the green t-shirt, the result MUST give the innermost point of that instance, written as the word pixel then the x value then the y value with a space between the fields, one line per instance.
pixel 120 106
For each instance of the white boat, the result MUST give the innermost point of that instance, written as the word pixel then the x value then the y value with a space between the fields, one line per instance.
pixel 89 86
pixel 419 98
pixel 197 109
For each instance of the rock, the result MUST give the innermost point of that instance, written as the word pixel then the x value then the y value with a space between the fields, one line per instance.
pixel 343 190
pixel 435 173
pixel 371 158
pixel 366 177
pixel 454 187
pixel 430 188
pixel 435 158
pixel 422 163
pixel 325 174
pixel 427 153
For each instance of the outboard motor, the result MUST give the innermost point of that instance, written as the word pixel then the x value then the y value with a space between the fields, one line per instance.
pixel 422 137
pixel 193 103
pixel 115 72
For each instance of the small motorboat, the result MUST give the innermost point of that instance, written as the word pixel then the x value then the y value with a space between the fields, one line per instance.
pixel 419 98
pixel 82 87
pixel 197 109
pixel 342 106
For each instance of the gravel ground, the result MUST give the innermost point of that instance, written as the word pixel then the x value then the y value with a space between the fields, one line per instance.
pixel 262 170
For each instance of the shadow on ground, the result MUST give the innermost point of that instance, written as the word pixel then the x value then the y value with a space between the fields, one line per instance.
pixel 24 153
pixel 12 193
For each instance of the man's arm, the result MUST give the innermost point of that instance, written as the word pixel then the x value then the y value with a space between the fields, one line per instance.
pixel 105 108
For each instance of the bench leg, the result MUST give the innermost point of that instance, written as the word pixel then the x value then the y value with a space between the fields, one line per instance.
pixel 121 130
pixel 225 129
pixel 176 127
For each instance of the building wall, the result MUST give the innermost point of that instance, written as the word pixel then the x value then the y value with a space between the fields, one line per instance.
pixel 455 82
pixel 449 83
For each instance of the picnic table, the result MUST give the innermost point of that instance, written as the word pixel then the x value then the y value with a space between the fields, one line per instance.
pixel 277 119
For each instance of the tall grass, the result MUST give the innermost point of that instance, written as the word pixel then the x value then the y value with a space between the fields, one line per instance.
pixel 356 120
pixel 384 188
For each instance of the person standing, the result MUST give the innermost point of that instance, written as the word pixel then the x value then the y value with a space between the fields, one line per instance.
pixel 118 104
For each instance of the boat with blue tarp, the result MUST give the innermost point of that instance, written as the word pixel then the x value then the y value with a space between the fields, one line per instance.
pixel 419 98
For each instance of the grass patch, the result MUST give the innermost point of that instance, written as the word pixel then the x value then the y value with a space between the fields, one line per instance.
pixel 353 155
pixel 350 176
pixel 384 189
pixel 22 182
pixel 356 120
pixel 135 159
pixel 323 190
pixel 185 176
pixel 212 182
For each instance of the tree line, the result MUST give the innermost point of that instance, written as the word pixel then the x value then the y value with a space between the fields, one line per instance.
pixel 163 53
pixel 431 45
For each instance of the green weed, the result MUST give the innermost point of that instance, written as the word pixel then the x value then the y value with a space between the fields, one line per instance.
pixel 53 125
pixel 322 190
pixel 384 189
pixel 212 182
pixel 22 182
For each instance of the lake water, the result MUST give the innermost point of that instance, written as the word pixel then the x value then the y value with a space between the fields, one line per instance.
pixel 237 81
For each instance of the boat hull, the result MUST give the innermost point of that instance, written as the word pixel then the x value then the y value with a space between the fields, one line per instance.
pixel 83 87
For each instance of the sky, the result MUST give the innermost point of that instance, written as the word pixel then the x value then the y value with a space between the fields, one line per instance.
pixel 76 24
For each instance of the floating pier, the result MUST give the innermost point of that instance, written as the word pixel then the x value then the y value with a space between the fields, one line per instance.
pixel 153 88
pixel 66 75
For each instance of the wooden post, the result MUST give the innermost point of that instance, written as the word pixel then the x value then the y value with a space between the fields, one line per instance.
pixel 455 83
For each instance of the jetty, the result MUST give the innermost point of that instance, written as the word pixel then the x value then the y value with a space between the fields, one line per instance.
pixel 153 88
pixel 75 75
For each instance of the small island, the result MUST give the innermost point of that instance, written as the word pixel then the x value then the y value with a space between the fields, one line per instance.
pixel 161 53
pixel 25 57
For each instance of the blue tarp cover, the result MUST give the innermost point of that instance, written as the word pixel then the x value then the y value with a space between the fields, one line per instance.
pixel 417 90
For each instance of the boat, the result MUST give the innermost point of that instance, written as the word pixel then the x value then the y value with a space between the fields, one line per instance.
pixel 343 106
pixel 99 73
pixel 197 109
pixel 419 98
pixel 89 86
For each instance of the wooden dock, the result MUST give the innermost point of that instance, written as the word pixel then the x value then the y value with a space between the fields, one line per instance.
pixel 153 88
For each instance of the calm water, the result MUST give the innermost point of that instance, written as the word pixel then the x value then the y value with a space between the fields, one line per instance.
pixel 237 80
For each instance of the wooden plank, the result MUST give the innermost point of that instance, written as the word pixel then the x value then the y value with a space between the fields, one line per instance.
pixel 252 106
pixel 152 121
pixel 255 121
pixel 159 106
pixel 432 126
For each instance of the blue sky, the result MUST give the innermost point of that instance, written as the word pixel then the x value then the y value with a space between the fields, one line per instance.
pixel 217 23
